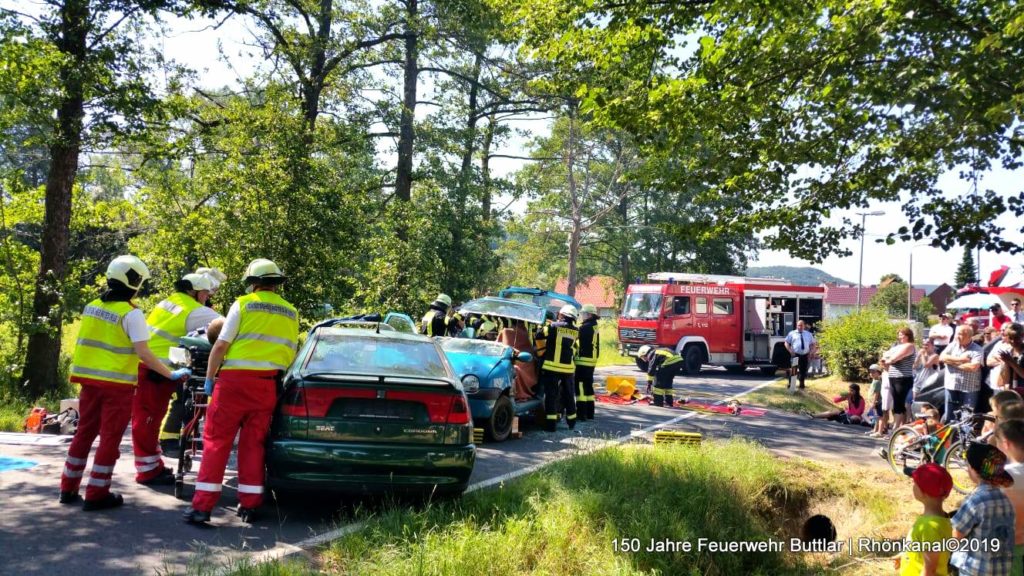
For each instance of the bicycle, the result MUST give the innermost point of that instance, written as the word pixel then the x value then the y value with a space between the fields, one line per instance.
pixel 946 446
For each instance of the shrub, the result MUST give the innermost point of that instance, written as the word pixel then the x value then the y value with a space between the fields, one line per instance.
pixel 851 343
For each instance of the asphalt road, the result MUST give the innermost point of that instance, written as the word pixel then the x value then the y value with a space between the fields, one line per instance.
pixel 147 535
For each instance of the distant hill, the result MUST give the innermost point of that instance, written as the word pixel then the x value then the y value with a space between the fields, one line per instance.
pixel 801 275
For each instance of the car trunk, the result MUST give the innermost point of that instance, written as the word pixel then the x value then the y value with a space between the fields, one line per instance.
pixel 375 410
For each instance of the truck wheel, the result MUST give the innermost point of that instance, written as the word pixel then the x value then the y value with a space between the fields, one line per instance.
pixel 692 359
pixel 499 425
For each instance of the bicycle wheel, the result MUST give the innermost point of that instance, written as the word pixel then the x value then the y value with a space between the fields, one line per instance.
pixel 955 462
pixel 905 450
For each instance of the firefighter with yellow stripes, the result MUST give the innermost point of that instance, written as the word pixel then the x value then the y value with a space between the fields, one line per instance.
pixel 556 346
pixel 112 341
pixel 663 364
pixel 586 360
pixel 437 322
pixel 256 345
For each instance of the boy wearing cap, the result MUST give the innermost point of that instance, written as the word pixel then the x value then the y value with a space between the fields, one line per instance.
pixel 986 518
pixel 932 485
pixel 1009 437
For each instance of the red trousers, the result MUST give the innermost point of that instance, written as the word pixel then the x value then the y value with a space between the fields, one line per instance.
pixel 104 411
pixel 148 411
pixel 242 399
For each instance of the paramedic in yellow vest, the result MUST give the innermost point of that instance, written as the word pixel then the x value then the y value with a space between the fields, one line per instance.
pixel 556 347
pixel 256 345
pixel 112 340
pixel 182 312
pixel 586 360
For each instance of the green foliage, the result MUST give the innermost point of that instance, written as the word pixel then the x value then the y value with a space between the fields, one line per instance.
pixel 892 299
pixel 923 310
pixel 801 275
pixel 851 343
pixel 966 272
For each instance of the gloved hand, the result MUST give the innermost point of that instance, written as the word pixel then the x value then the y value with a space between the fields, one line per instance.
pixel 208 386
pixel 181 374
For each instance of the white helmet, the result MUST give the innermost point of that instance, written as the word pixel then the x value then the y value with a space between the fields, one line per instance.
pixel 199 282
pixel 444 300
pixel 570 311
pixel 262 269
pixel 589 309
pixel 643 350
pixel 128 270
pixel 216 277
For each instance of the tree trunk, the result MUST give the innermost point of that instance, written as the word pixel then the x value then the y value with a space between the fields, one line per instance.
pixel 485 167
pixel 406 133
pixel 43 354
pixel 574 199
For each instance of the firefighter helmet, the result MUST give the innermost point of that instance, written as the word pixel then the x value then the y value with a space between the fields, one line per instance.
pixel 643 351
pixel 443 300
pixel 262 269
pixel 589 309
pixel 128 270
pixel 569 311
pixel 199 282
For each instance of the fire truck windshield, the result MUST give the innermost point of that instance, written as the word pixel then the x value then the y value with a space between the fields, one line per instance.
pixel 642 305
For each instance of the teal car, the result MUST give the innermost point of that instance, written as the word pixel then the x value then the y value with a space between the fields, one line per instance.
pixel 370 409
pixel 486 368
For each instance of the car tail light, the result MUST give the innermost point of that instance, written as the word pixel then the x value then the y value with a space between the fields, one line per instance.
pixel 294 404
pixel 459 413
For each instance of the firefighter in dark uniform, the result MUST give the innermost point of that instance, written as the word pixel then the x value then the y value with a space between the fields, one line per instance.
pixel 436 321
pixel 556 346
pixel 663 364
pixel 586 360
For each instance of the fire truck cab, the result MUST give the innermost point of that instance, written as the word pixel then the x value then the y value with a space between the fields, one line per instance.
pixel 731 321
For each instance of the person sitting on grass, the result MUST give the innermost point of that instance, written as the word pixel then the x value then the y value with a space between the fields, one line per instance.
pixel 882 422
pixel 986 516
pixel 932 485
pixel 1009 438
pixel 854 412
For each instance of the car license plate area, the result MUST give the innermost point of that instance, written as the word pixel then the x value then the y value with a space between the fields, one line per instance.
pixel 383 410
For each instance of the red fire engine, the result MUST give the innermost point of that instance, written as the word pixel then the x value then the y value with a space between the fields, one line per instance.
pixel 729 321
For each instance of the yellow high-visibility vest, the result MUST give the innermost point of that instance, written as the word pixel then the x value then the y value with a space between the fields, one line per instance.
pixel 103 350
pixel 167 323
pixel 268 333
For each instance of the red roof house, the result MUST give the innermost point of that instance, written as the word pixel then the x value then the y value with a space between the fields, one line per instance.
pixel 841 300
pixel 600 291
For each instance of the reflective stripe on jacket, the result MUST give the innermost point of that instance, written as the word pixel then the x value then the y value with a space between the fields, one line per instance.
pixel 589 344
pixel 268 333
pixel 167 323
pixel 559 347
pixel 104 351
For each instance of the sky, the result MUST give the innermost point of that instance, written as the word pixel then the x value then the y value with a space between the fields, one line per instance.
pixel 196 44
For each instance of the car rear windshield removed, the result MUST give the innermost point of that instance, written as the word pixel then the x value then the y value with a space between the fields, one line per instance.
pixel 355 354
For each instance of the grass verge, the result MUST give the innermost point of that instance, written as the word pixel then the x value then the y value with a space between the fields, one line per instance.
pixel 568 518
pixel 609 332
pixel 816 397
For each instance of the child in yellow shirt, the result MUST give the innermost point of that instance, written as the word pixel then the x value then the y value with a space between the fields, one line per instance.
pixel 932 484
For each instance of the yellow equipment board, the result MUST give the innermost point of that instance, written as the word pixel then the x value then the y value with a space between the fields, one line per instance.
pixel 478 435
pixel 677 437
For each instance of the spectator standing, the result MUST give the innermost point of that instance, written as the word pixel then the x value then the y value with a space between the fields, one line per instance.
pixel 800 343
pixel 1015 310
pixel 1012 358
pixel 986 516
pixel 882 416
pixel 942 333
pixel 963 372
pixel 926 365
pixel 932 485
pixel 899 362
pixel 1009 438
pixel 997 317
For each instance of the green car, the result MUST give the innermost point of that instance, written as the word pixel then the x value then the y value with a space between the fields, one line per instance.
pixel 371 410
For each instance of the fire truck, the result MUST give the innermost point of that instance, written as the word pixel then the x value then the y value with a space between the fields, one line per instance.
pixel 731 321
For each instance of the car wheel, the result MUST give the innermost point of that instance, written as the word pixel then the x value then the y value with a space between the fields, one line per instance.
pixel 693 360
pixel 499 425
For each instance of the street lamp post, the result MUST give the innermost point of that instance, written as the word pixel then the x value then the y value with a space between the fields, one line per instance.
pixel 863 224
pixel 910 281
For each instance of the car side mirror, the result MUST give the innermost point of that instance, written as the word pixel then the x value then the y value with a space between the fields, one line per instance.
pixel 524 357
